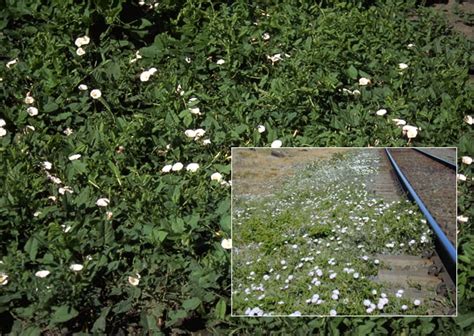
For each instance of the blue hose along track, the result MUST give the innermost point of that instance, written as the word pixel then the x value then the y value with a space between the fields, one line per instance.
pixel 434 157
pixel 446 250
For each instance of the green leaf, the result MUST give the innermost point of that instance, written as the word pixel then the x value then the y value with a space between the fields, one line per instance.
pixel 50 107
pixel 31 247
pixel 31 331
pixel 191 304
pixel 63 313
pixel 352 72
pixel 221 308
pixel 100 324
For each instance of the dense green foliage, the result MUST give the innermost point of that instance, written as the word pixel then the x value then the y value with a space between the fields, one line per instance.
pixel 168 227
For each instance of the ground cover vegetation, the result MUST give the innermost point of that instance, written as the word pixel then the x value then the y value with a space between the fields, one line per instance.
pixel 115 115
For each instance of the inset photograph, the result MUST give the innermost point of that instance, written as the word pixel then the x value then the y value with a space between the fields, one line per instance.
pixel 344 231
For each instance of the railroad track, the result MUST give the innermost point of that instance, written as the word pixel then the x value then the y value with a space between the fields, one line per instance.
pixel 404 173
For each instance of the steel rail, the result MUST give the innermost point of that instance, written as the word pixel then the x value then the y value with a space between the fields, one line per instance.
pixel 437 158
pixel 448 252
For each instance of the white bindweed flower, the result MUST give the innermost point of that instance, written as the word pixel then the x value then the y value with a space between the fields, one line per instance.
pixel 404 307
pixel 469 119
pixel 381 112
pixel 68 131
pixel 74 157
pixel 276 144
pixel 3 278
pixel 192 167
pixel 220 62
pixel 402 66
pixel 82 87
pixel 190 133
pixel 32 111
pixel 80 41
pixel 66 228
pixel 102 202
pixel 42 274
pixel 199 133
pixel 47 165
pixel 29 99
pixel 206 142
pixel 109 215
pixel 145 76
pixel 333 312
pixel 3 132
pixel 275 58
pixel 462 219
pixel 177 166
pixel 2 123
pixel 410 131
pixel 11 63
pixel 134 280
pixel 76 267
pixel 216 177
pixel 195 110
pixel 461 177
pixel 466 160
pixel 296 313
pixel 399 122
pixel 226 243
pixel 187 59
pixel 64 190
pixel 96 94
pixel 417 302
pixel 410 45
pixel 266 36
pixel 261 128
pixel 80 51
pixel 166 169
pixel 363 81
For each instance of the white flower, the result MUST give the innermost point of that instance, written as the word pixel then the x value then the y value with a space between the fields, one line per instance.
pixel 283 262
pixel 206 141
pixel 369 310
pixel 37 213
pixel 381 112
pixel 367 303
pixel 166 169
pixel 3 279
pixel 261 128
pixel 102 202
pixel 410 131
pixel 177 166
pixel 417 302
pixel 335 297
pixel 76 267
pixel 410 45
pixel 190 133
pixel 188 59
pixel 220 62
pixel 461 177
pixel 276 144
pixel 356 275
pixel 109 215
pixel 195 110
pixel 2 122
pixel 80 41
pixel 296 313
pixel 462 219
pixel 12 62
pixel 404 307
pixel 399 122
pixel 42 274
pixel 3 132
pixel 356 92
pixel 80 51
pixel 82 87
pixel 47 165
pixel 192 167
pixel 216 177
pixel 469 119
pixel 32 111
pixel 74 157
pixel 332 275
pixel 96 94
pixel 364 81
pixel 402 66
pixel 275 58
pixel 266 36
pixel 68 131
pixel 29 99
pixel 199 133
pixel 466 160
pixel 66 228
pixel 134 281
pixel 226 243
pixel 374 292
pixel 145 76
pixel 65 189
pixel 52 198
pixel 333 312
pixel 152 70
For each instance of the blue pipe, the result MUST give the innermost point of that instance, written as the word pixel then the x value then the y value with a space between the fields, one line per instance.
pixel 444 241
pixel 437 158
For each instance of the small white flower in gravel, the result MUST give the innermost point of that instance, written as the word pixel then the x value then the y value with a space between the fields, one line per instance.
pixel 68 131
pixel 82 87
pixel 356 275
pixel 74 157
pixel 369 310
pixel 411 242
pixel 376 261
pixel 10 63
pixel 332 275
pixel 417 302
pixel 216 177
pixel 404 307
pixel 76 267
pixel 220 62
pixel 47 165
pixel 469 120
pixel 335 297
pixel 383 295
pixel 2 122
pixel 32 111
pixel 226 243
pixel 399 122
pixel 283 262
pixel 461 177
pixel 333 312
pixel 276 144
pixel 402 66
pixel 80 41
pixel 261 297
pixel 466 160
pixel 195 110
pixel 365 258
pixel 296 313
pixel 42 274
pixel 367 303
pixel 261 128
pixel 364 81
pixel 266 277
pixel 177 166
pixel 102 202
pixel 266 36
pixel 3 278
pixel 319 273
pixel 166 169
pixel 134 280
pixel 462 219
pixel 190 133
pixel 192 167
pixel 96 94
pixel 374 292
pixel 381 112
pixel 65 189
pixel 80 51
